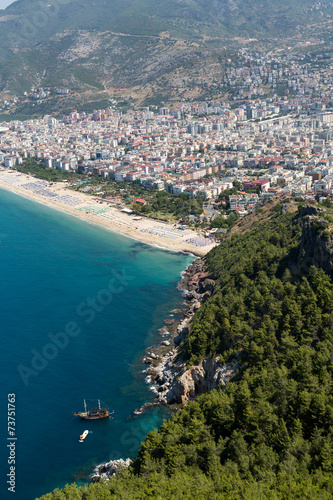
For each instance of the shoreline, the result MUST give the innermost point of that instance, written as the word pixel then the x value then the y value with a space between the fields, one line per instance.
pixel 89 209
pixel 174 330
pixel 169 377
pixel 155 359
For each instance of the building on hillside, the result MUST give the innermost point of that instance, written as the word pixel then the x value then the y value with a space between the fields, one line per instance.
pixel 263 184
pixel 140 201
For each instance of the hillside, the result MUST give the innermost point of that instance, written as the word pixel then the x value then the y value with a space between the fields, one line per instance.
pixel 141 43
pixel 268 434
pixel 150 17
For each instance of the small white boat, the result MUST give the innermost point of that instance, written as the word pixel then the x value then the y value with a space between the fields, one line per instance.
pixel 83 436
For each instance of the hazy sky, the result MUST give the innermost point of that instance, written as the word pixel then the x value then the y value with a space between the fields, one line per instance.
pixel 5 3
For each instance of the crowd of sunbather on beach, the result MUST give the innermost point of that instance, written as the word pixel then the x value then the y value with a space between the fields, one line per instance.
pixel 42 188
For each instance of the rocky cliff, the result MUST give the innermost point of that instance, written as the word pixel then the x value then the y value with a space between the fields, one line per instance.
pixel 177 383
pixel 316 245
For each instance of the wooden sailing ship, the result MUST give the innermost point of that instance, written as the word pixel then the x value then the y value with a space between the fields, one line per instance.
pixel 94 413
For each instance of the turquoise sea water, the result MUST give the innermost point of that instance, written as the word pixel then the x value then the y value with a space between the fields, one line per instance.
pixel 78 306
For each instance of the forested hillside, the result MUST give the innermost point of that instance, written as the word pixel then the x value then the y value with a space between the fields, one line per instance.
pixel 269 434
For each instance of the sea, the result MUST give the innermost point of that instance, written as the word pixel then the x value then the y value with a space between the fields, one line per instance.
pixel 78 307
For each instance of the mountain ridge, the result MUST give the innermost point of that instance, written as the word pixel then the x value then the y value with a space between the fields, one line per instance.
pixel 104 44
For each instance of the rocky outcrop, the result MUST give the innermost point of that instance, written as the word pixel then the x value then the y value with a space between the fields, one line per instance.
pixel 104 471
pixel 197 280
pixel 178 384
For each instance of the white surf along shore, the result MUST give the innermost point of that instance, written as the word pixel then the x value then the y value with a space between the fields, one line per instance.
pixel 93 210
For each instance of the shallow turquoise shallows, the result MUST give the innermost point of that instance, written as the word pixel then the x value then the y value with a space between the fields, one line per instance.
pixel 78 306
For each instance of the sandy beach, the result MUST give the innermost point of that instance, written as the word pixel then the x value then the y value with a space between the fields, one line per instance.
pixel 91 209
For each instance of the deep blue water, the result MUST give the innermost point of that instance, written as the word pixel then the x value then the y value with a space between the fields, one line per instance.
pixel 101 297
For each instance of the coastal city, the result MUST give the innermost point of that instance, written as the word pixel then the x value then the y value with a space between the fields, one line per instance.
pixel 272 138
pixel 166 249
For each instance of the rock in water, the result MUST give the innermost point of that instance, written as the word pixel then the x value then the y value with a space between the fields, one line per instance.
pixel 105 471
